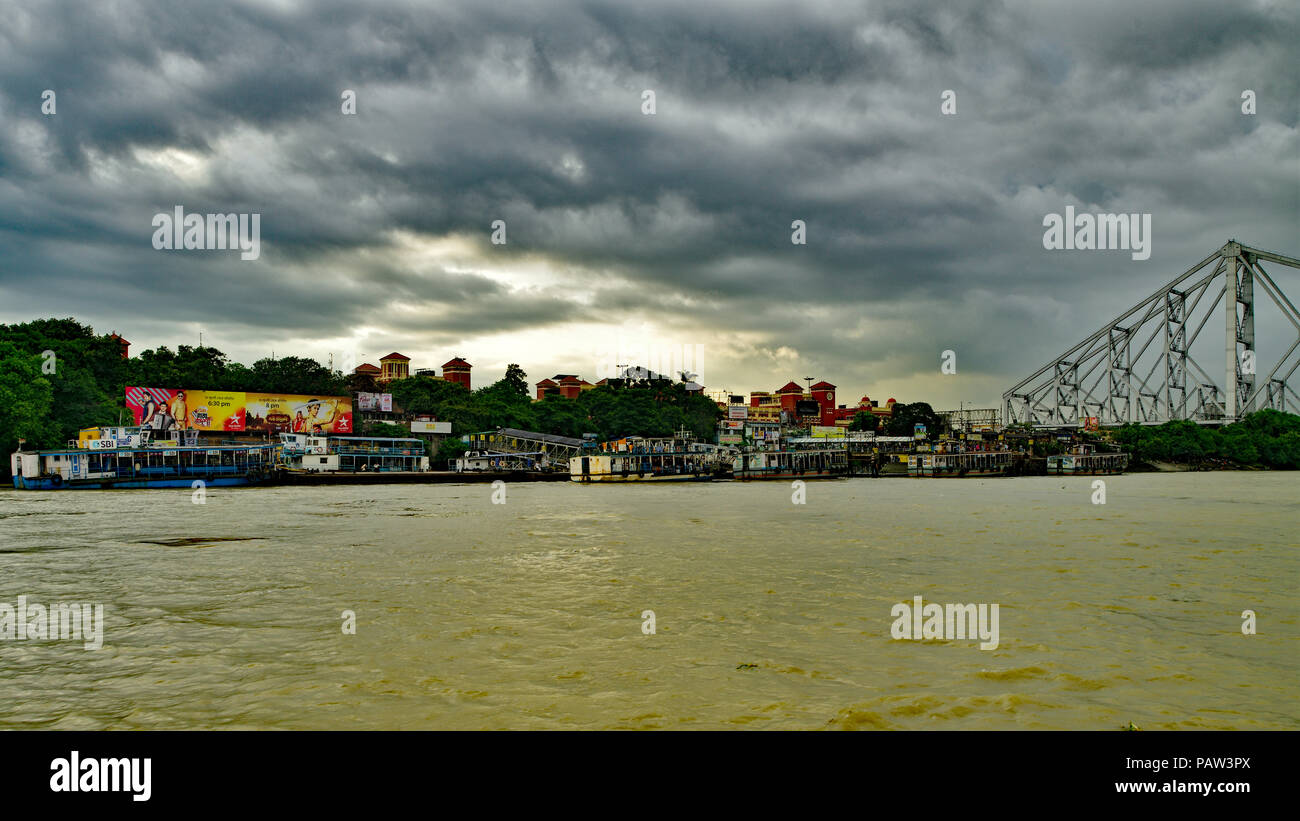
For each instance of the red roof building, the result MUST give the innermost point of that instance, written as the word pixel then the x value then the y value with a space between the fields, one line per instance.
pixel 457 370
pixel 122 343
pixel 394 366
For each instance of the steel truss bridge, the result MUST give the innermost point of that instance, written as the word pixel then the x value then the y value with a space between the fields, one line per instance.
pixel 1139 367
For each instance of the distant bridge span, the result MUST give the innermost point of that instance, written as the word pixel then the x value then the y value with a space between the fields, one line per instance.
pixel 1116 376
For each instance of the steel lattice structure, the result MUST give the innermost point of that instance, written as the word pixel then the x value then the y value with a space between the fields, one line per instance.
pixel 1139 368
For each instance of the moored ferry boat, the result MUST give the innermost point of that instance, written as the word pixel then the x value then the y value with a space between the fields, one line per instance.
pixel 791 464
pixel 635 459
pixel 973 463
pixel 303 453
pixel 1085 461
pixel 125 458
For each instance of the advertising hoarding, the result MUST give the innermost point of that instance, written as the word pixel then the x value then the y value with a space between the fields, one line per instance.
pixel 431 427
pixel 807 407
pixel 172 409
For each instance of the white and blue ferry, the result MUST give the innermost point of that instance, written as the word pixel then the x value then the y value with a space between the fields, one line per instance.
pixel 113 458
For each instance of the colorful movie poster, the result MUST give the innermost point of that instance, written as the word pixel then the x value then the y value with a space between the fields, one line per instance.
pixel 298 413
pixel 386 402
pixel 160 409
pixel 171 409
pixel 367 401
pixel 216 410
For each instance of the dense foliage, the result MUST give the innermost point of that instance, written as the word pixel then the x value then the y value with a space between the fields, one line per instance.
pixel 905 416
pixel 651 410
pixel 1267 437
pixel 864 420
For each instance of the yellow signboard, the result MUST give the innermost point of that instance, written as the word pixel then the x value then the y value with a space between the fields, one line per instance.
pixel 168 409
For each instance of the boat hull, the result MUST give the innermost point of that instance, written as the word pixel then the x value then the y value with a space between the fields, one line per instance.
pixel 49 483
pixel 956 474
pixel 760 475
pixel 602 478
pixel 1058 471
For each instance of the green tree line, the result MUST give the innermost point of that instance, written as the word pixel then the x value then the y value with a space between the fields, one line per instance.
pixel 1267 438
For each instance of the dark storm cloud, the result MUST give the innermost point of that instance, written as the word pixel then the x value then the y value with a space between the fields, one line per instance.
pixel 924 231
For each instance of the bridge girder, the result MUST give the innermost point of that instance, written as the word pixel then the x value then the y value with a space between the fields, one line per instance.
pixel 1116 375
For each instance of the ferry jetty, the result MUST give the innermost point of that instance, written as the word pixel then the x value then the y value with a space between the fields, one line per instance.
pixel 683 459
pixel 639 459
pixel 130 457
pixel 988 463
pixel 791 463
pixel 379 460
pixel 1085 460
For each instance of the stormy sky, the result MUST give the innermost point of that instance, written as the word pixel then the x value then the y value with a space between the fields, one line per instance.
pixel 664 232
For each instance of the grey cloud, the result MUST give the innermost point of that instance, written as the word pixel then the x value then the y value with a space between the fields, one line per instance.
pixel 530 113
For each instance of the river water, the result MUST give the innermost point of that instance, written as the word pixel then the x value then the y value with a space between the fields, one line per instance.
pixel 768 614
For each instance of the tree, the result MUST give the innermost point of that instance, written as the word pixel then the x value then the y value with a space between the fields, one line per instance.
pixel 559 416
pixel 449 449
pixel 25 401
pixel 387 429
pixel 905 417
pixel 516 380
pixel 295 374
pixel 865 420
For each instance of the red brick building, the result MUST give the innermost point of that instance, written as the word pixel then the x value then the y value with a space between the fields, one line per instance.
pixel 122 343
pixel 785 400
pixel 457 370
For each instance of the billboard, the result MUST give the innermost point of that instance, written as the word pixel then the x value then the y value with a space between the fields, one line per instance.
pixel 375 402
pixel 171 409
pixel 918 431
pixel 430 427
pixel 807 407
pixel 737 412
pixel 825 432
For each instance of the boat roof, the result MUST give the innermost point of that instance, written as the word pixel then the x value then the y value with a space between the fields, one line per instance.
pixel 150 449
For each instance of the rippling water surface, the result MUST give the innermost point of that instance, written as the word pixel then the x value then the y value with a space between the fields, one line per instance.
pixel 769 614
